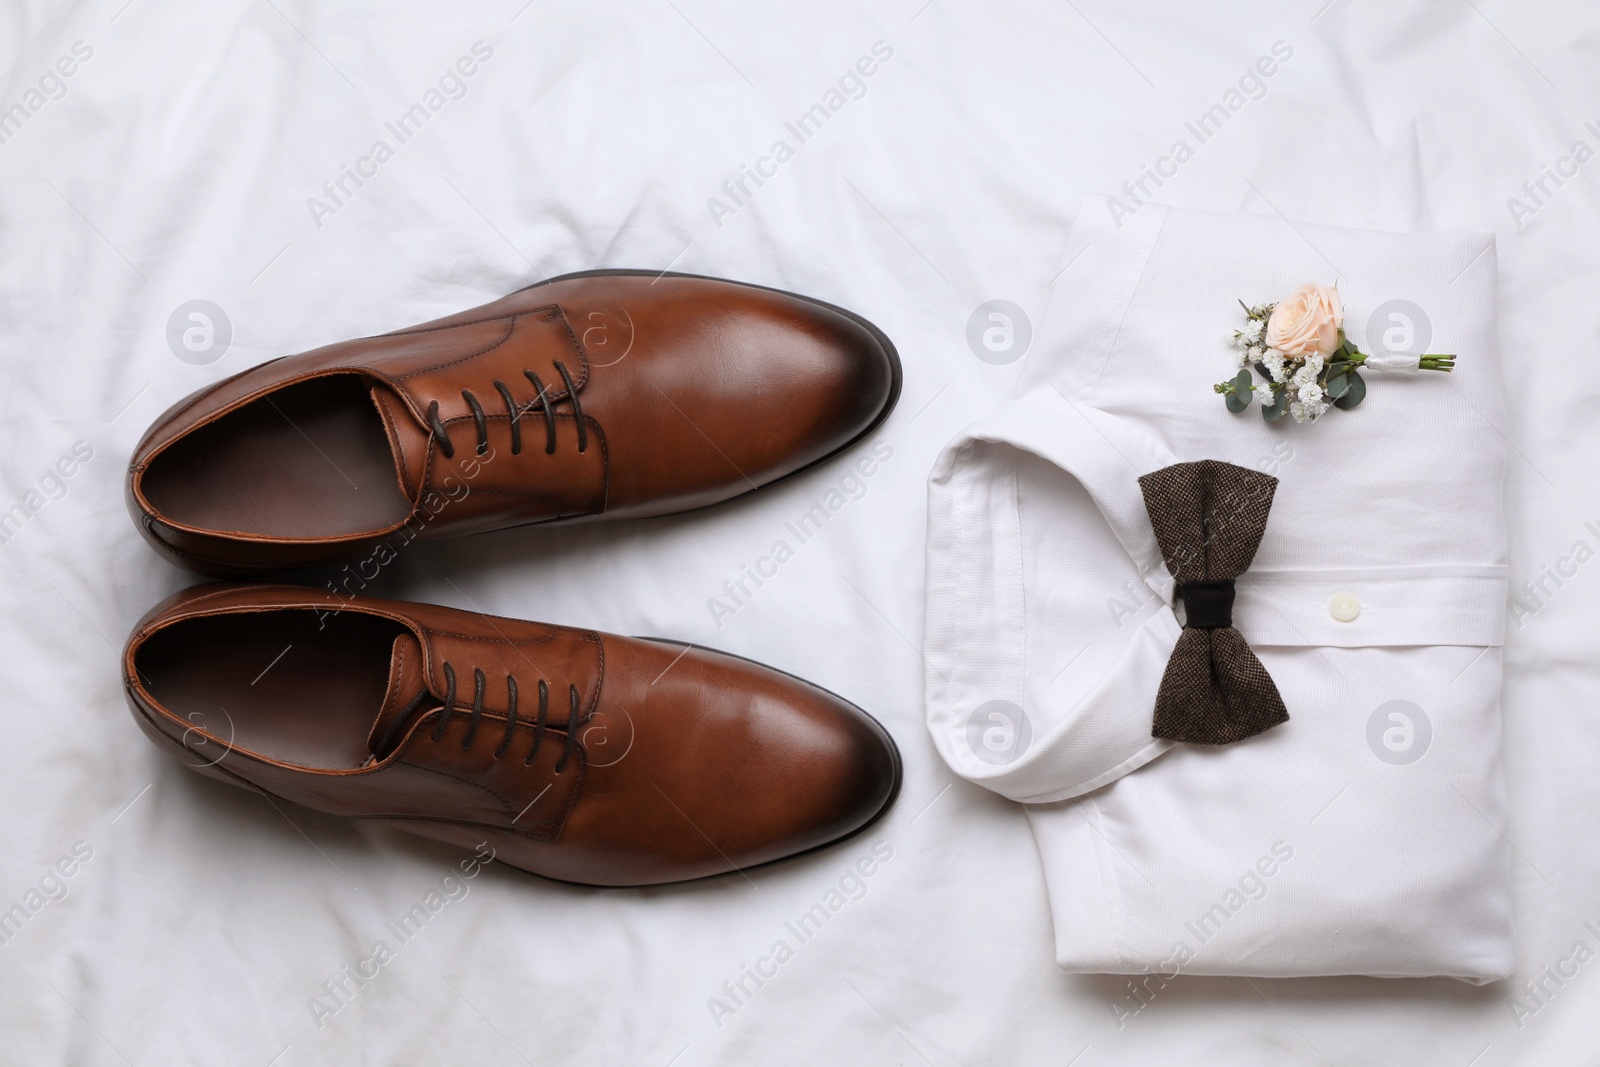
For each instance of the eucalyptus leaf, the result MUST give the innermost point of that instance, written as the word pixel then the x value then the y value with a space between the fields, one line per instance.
pixel 1243 382
pixel 1338 385
pixel 1354 394
pixel 1280 403
pixel 1236 402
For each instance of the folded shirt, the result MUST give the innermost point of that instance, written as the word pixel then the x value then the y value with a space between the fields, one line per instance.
pixel 1363 835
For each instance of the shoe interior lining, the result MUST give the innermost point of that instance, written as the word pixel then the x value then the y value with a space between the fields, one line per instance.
pixel 276 683
pixel 311 460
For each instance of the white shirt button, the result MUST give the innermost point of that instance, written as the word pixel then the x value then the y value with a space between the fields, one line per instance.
pixel 1344 607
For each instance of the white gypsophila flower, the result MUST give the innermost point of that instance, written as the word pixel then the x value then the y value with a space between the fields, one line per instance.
pixel 1310 403
pixel 1272 359
pixel 1309 370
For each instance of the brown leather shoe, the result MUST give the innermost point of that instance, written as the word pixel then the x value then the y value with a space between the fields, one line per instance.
pixel 605 394
pixel 576 755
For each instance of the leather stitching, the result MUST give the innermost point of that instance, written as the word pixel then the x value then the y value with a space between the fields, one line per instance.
pixel 605 470
pixel 547 836
pixel 549 311
pixel 545 313
pixel 497 640
pixel 600 677
pixel 399 446
pixel 151 523
pixel 504 801
pixel 553 312
pixel 584 635
pixel 199 395
pixel 517 492
pixel 572 798
pixel 511 328
pixel 554 827
pixel 393 690
pixel 583 355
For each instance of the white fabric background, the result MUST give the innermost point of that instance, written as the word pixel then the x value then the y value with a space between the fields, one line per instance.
pixel 177 166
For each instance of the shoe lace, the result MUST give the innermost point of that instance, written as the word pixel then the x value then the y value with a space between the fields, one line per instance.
pixel 478 679
pixel 541 400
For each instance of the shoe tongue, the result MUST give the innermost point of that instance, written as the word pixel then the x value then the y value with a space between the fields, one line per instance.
pixel 400 708
pixel 408 439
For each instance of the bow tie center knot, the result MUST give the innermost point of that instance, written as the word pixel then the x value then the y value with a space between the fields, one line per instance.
pixel 1207 605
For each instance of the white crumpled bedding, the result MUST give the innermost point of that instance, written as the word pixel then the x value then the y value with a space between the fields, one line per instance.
pixel 315 175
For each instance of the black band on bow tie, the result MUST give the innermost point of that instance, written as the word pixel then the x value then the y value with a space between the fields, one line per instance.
pixel 1207 605
pixel 1209 518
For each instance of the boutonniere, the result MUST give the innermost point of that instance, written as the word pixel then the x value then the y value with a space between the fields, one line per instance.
pixel 1306 363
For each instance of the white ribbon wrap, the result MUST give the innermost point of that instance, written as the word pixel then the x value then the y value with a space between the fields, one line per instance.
pixel 1393 361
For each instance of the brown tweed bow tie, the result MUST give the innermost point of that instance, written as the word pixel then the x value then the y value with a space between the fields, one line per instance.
pixel 1208 519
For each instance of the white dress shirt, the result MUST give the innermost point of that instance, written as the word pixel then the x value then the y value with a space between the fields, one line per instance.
pixel 1363 836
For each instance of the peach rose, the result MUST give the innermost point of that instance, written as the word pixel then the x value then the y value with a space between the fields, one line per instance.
pixel 1306 321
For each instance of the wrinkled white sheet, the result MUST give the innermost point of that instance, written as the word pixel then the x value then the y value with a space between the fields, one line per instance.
pixel 176 163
